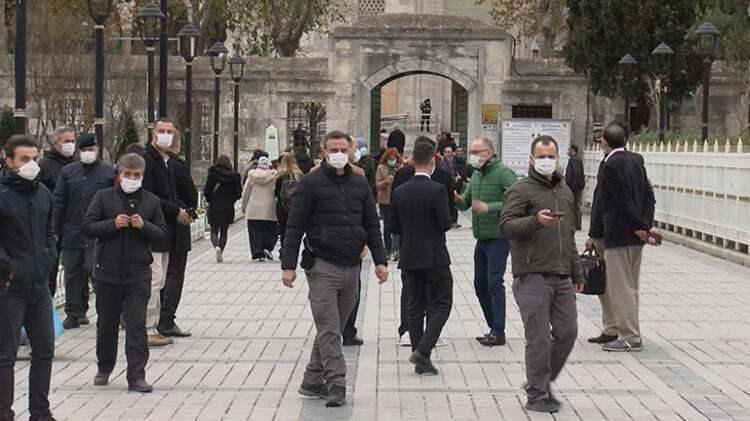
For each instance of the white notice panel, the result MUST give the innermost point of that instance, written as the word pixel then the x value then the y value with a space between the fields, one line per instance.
pixel 272 142
pixel 516 136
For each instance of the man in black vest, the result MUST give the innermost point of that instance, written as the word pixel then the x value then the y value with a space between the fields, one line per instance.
pixel 421 216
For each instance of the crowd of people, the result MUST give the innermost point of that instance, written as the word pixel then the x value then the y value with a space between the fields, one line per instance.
pixel 125 230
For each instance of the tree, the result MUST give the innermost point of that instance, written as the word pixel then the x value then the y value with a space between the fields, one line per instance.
pixel 600 33
pixel 7 125
pixel 127 134
pixel 277 26
pixel 531 18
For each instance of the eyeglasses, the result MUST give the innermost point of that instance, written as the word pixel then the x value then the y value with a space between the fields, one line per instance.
pixel 477 151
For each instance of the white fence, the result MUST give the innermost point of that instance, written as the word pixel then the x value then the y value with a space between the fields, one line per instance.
pixel 702 191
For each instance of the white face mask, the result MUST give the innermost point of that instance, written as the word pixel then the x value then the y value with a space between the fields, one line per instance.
pixel 475 161
pixel 392 162
pixel 68 149
pixel 316 162
pixel 357 155
pixel 130 186
pixel 88 157
pixel 545 166
pixel 164 140
pixel 338 160
pixel 29 170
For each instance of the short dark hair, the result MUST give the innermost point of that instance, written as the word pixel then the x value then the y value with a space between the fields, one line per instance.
pixel 336 134
pixel 135 148
pixel 426 139
pixel 544 140
pixel 424 152
pixel 163 120
pixel 575 148
pixel 19 141
pixel 615 135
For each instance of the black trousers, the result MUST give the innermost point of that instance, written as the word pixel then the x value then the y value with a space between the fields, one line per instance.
pixel 78 264
pixel 219 236
pixel 53 276
pixel 172 291
pixel 430 293
pixel 34 313
pixel 262 235
pixel 350 331
pixel 403 327
pixel 131 301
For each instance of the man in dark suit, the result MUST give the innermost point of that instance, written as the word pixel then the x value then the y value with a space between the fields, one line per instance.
pixel 575 178
pixel 420 214
pixel 397 139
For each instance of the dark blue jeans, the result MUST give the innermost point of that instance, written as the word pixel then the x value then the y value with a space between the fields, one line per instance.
pixel 34 312
pixel 490 259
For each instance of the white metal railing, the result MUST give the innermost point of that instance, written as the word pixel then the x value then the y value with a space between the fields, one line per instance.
pixel 702 191
pixel 411 122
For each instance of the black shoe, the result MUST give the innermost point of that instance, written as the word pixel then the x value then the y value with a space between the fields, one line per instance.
pixel 355 341
pixel 543 405
pixel 84 321
pixel 492 340
pixel 602 339
pixel 479 338
pixel 71 323
pixel 174 332
pixel 101 379
pixel 336 396
pixel 140 386
pixel 314 390
pixel 43 418
pixel 422 363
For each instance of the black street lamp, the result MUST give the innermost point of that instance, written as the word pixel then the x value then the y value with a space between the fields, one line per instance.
pixel 19 112
pixel 237 69
pixel 218 53
pixel 627 64
pixel 188 36
pixel 149 17
pixel 163 61
pixel 662 56
pixel 708 36
pixel 99 11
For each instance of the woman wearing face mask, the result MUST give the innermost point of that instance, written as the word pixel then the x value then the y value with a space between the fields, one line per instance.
pixel 390 162
pixel 259 203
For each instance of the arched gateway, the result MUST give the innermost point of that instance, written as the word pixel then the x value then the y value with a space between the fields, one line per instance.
pixel 378 49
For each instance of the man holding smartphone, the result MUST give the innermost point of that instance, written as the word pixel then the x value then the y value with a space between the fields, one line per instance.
pixel 538 219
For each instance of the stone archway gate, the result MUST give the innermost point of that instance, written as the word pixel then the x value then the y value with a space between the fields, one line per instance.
pixel 376 49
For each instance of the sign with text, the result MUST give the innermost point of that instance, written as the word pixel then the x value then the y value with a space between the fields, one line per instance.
pixel 491 113
pixel 272 142
pixel 516 136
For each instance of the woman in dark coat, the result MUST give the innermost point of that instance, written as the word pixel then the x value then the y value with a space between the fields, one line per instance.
pixel 222 190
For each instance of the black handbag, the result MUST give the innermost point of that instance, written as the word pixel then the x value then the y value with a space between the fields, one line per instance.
pixel 594 272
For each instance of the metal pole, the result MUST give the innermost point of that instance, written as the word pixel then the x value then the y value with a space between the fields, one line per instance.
pixel 150 92
pixel 99 83
pixel 627 108
pixel 217 96
pixel 188 113
pixel 706 82
pixel 163 62
pixel 663 111
pixel 19 113
pixel 236 144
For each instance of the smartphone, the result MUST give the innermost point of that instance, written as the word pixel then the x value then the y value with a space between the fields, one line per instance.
pixel 557 214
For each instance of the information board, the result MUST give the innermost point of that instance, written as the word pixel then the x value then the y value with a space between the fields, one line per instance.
pixel 272 142
pixel 517 134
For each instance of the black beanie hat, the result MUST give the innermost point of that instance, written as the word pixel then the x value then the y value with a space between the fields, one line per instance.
pixel 86 140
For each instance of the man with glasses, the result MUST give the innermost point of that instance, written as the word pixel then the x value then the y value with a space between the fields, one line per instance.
pixel 484 195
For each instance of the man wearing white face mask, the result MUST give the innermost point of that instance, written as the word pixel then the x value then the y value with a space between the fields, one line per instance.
pixel 75 189
pixel 539 220
pixel 159 179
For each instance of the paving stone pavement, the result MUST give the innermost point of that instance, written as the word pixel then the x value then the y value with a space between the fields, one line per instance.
pixel 252 337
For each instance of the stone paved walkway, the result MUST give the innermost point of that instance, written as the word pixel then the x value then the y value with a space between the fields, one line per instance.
pixel 252 339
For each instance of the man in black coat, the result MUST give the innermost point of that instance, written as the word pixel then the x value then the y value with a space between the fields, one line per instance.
pixel 397 139
pixel 28 252
pixel 62 154
pixel 575 178
pixel 76 187
pixel 187 197
pixel 421 216
pixel 335 210
pixel 125 221
pixel 159 179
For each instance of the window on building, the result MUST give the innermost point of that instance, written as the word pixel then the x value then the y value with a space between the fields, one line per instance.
pixel 532 111
pixel 371 7
pixel 311 116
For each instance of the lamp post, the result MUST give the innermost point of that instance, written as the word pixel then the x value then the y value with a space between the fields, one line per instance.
pixel 163 61
pixel 99 11
pixel 218 53
pixel 237 69
pixel 662 56
pixel 627 64
pixel 149 17
pixel 19 111
pixel 188 36
pixel 708 36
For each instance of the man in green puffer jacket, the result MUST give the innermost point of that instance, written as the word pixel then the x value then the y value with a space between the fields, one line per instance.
pixel 484 195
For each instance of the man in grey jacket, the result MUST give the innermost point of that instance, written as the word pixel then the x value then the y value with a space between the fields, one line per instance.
pixel 538 219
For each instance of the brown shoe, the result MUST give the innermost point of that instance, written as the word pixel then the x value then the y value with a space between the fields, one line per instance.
pixel 158 340
pixel 602 339
pixel 492 340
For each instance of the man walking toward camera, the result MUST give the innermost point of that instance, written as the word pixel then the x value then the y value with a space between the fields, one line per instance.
pixel 334 209
pixel 537 218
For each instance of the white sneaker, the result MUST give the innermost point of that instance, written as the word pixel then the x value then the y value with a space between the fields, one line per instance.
pixel 219 257
pixel 441 342
pixel 404 340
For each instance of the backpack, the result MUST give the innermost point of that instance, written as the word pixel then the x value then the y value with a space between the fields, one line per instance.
pixel 287 191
